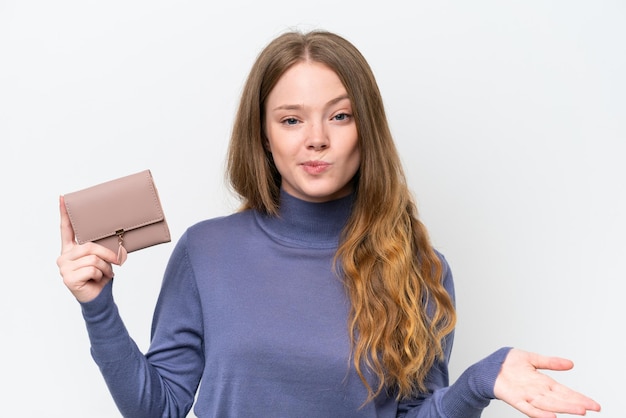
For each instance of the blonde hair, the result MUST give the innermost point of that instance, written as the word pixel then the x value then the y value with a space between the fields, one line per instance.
pixel 400 310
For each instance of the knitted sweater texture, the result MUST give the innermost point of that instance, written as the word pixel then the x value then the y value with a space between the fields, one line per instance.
pixel 252 321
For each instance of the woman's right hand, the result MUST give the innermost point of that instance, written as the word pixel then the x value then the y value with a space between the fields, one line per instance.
pixel 85 268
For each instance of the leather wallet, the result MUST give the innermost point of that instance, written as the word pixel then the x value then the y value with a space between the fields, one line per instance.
pixel 124 214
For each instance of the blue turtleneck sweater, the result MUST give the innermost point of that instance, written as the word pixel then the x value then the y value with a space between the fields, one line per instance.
pixel 250 307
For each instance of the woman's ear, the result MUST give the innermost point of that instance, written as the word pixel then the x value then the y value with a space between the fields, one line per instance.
pixel 266 143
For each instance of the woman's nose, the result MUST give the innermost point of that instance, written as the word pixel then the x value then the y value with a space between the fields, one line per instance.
pixel 317 138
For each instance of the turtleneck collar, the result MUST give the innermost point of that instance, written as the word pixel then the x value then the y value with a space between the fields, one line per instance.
pixel 307 224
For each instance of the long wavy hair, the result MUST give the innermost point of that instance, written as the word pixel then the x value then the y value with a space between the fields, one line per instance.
pixel 400 312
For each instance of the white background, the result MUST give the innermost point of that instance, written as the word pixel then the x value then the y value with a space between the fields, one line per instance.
pixel 509 116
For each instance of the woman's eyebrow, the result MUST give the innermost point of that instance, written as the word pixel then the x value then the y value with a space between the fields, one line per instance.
pixel 300 106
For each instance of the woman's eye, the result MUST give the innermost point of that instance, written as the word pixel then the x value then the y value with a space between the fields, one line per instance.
pixel 290 121
pixel 341 116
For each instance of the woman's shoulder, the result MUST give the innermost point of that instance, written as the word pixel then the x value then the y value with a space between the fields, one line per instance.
pixel 222 224
pixel 443 259
pixel 218 234
pixel 446 273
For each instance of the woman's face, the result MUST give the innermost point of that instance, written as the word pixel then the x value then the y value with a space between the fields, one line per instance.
pixel 311 133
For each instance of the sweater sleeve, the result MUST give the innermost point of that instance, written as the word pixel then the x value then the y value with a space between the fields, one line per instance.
pixel 163 382
pixel 469 395
pixel 466 398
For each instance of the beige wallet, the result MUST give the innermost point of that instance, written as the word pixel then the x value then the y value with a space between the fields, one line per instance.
pixel 124 214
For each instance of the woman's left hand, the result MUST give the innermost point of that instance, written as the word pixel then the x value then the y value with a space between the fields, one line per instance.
pixel 525 388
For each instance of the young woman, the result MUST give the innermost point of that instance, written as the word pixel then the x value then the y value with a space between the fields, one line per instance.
pixel 322 296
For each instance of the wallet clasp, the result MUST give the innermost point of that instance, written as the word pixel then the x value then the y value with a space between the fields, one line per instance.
pixel 121 251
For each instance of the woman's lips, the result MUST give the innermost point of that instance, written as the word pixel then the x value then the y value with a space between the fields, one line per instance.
pixel 315 167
